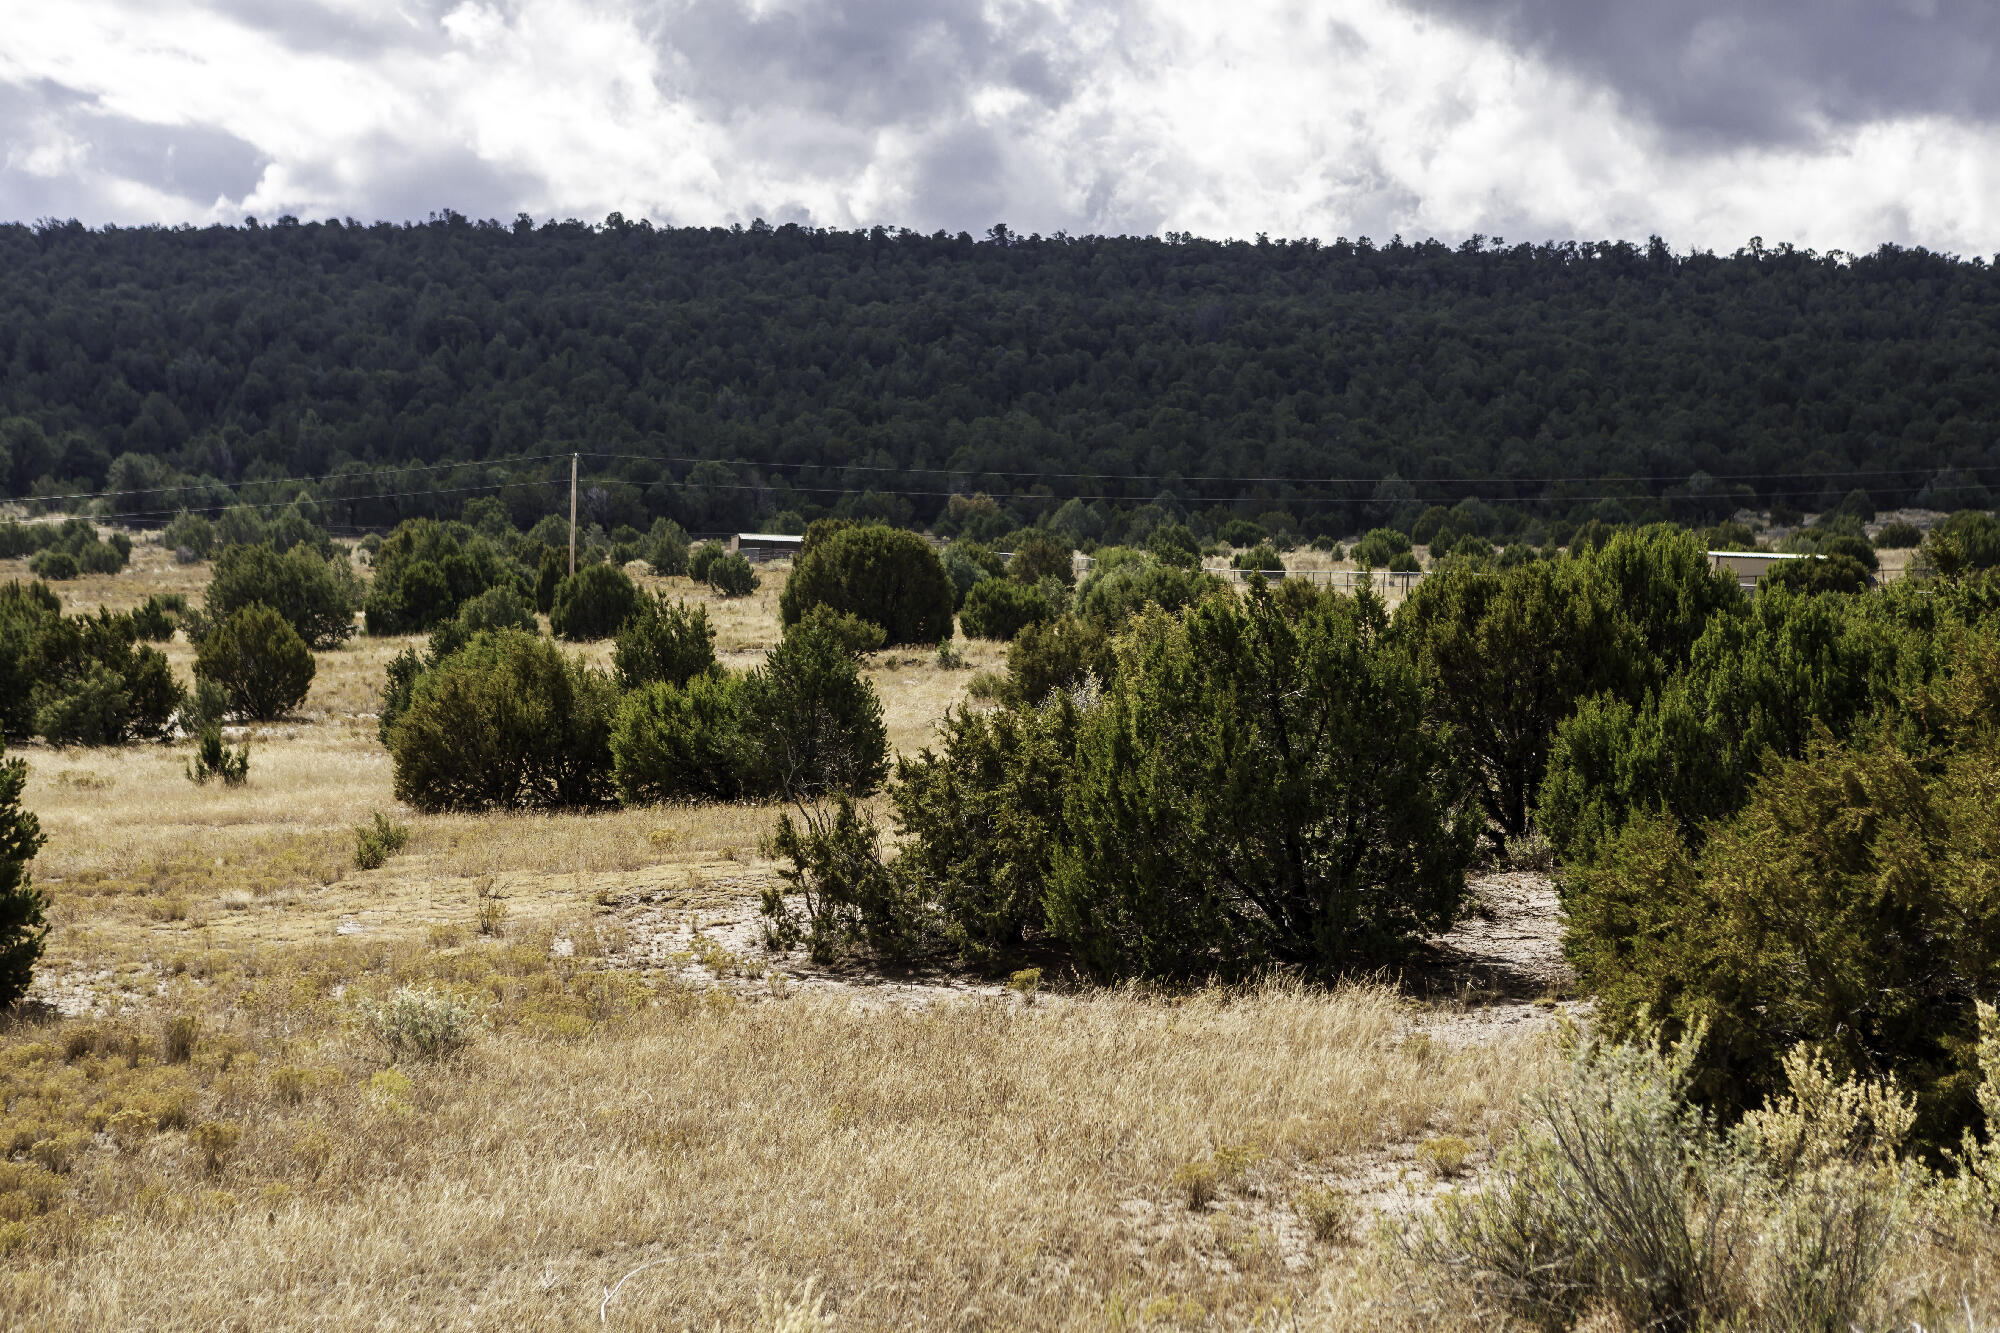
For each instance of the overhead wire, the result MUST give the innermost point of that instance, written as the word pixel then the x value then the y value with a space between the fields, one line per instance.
pixel 1461 489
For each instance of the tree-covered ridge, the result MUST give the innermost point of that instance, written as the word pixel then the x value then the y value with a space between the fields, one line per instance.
pixel 946 365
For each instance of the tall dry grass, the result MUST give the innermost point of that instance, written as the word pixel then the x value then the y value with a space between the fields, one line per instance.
pixel 985 1164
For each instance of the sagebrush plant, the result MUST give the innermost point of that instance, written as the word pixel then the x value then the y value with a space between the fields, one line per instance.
pixel 422 1024
pixel 1329 1212
pixel 1529 851
pixel 1620 1194
pixel 1974 1189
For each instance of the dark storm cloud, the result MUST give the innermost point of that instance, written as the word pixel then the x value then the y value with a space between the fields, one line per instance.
pixel 867 62
pixel 197 163
pixel 1773 69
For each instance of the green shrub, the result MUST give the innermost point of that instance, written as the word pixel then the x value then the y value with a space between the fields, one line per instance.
pixel 506 722
pixel 856 636
pixel 1854 546
pixel 592 603
pixel 317 598
pixel 1379 547
pixel 1846 904
pixel 100 558
pixel 502 606
pixel 1898 536
pixel 1509 655
pixel 1241 533
pixel 967 563
pixel 667 548
pixel 702 557
pixel 883 575
pixel 259 660
pixel 979 818
pixel 1002 608
pixel 1664 584
pixel 1837 573
pixel 90 709
pixel 25 611
pixel 1762 681
pixel 687 740
pixel 424 571
pixel 23 907
pixel 55 566
pixel 191 533
pixel 1729 536
pixel 1964 543
pixel 295 525
pixel 378 840
pixel 1263 556
pixel 64 551
pixel 732 576
pixel 156 618
pixel 87 681
pixel 213 759
pixel 845 893
pixel 1114 592
pixel 663 641
pixel 1258 786
pixel 816 718
pixel 1062 654
pixel 1172 544
pixel 550 570
pixel 1041 556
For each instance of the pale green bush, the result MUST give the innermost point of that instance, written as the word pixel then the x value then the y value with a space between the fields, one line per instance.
pixel 1618 1194
pixel 421 1024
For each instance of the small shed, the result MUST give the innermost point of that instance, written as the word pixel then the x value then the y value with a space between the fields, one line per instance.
pixel 755 546
pixel 1750 566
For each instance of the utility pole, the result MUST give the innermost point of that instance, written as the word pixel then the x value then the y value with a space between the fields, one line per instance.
pixel 572 513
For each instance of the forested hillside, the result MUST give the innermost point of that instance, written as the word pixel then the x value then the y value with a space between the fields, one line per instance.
pixel 1608 381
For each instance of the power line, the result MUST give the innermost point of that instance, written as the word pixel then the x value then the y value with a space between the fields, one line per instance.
pixel 1458 492
pixel 345 499
pixel 275 481
pixel 1265 481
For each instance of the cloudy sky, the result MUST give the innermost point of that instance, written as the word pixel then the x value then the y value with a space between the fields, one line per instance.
pixel 1829 123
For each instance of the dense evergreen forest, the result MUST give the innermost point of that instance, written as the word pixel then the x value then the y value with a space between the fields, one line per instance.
pixel 767 376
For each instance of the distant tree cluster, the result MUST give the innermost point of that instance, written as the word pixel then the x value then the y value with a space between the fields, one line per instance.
pixel 728 378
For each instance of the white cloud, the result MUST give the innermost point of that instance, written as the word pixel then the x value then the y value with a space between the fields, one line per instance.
pixel 1349 118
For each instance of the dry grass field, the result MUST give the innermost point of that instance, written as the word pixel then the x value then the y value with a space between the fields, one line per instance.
pixel 659 1125
pixel 206 1134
